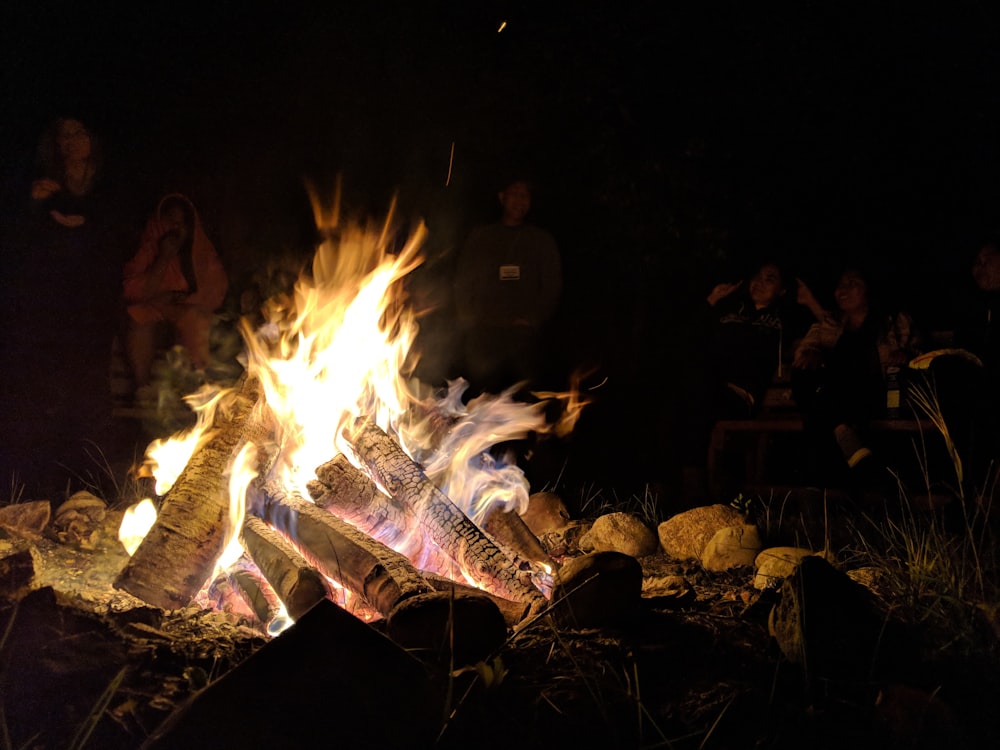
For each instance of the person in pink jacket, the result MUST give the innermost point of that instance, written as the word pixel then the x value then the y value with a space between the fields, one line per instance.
pixel 176 278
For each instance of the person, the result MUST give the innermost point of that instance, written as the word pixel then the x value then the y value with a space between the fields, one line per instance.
pixel 966 373
pixel 839 372
pixel 740 336
pixel 175 279
pixel 59 319
pixel 507 285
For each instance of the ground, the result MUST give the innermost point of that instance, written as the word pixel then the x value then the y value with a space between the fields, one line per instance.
pixel 88 666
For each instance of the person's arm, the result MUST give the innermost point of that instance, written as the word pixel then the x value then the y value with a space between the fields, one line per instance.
pixel 213 282
pixel 143 275
pixel 551 281
pixel 721 291
pixel 810 351
pixel 805 297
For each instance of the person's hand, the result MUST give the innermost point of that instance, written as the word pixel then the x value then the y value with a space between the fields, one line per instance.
pixel 68 220
pixel 897 358
pixel 807 359
pixel 803 294
pixel 44 188
pixel 721 291
pixel 169 246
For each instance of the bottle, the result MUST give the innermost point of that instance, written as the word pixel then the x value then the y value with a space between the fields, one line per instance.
pixel 893 393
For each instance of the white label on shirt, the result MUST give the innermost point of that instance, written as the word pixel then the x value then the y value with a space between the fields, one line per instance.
pixel 510 273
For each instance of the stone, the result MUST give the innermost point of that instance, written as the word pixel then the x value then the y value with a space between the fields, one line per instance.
pixel 545 512
pixel 684 536
pixel 732 547
pixel 601 589
pixel 620 532
pixel 774 564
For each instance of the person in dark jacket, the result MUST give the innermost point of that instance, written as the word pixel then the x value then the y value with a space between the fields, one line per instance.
pixel 507 284
pixel 742 336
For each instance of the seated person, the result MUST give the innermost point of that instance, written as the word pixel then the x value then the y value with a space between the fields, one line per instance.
pixel 965 374
pixel 839 371
pixel 733 360
pixel 176 278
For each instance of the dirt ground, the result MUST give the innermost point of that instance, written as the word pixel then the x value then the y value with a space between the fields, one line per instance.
pixel 86 666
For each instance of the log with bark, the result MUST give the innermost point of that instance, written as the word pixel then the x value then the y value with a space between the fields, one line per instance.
pixel 178 555
pixel 297 584
pixel 472 626
pixel 444 522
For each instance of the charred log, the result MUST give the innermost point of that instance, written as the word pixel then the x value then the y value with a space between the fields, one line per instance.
pixel 349 493
pixel 445 523
pixel 508 528
pixel 514 613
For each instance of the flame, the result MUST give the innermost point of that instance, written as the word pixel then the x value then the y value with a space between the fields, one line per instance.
pixel 136 523
pixel 243 472
pixel 340 353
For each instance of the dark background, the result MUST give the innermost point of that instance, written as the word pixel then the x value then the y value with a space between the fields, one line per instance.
pixel 674 143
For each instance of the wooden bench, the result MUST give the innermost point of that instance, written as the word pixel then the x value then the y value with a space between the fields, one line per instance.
pixel 758 446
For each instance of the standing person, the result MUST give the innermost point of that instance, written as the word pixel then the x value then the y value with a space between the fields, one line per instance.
pixel 839 376
pixel 60 297
pixel 507 285
pixel 175 279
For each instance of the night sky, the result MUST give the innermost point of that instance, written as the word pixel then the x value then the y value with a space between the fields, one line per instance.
pixel 673 142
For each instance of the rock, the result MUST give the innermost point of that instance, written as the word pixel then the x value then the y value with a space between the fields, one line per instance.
pixel 675 587
pixel 684 536
pixel 597 590
pixel 915 718
pixel 732 547
pixel 26 519
pixel 546 512
pixel 775 564
pixel 620 532
pixel 565 541
pixel 827 623
pixel 79 520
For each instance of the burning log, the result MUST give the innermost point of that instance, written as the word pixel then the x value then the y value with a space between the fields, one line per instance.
pixel 225 595
pixel 367 567
pixel 297 584
pixel 510 529
pixel 382 576
pixel 350 494
pixel 440 518
pixel 179 553
pixel 256 593
pixel 514 613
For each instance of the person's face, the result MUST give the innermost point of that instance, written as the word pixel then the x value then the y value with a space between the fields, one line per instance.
pixel 766 286
pixel 851 293
pixel 516 202
pixel 986 269
pixel 73 140
pixel 174 219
